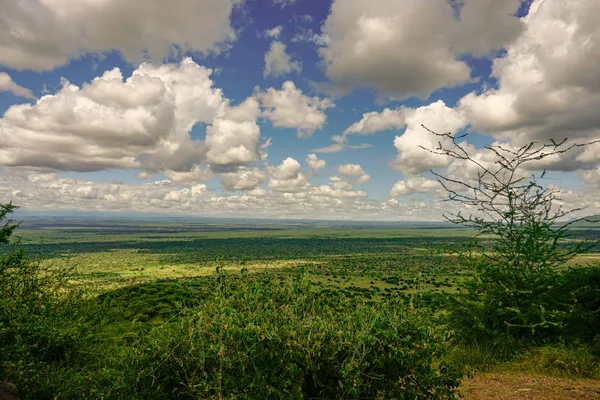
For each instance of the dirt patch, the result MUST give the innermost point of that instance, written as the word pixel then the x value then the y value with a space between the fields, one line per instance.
pixel 513 386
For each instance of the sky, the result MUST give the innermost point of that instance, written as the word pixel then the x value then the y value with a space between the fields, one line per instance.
pixel 287 108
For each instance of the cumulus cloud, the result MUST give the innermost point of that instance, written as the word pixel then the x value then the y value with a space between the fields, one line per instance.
pixel 290 108
pixel 196 174
pixel 436 116
pixel 244 179
pixel 354 171
pixel 314 163
pixel 8 85
pixel 548 81
pixel 41 35
pixel 274 33
pixel 406 48
pixel 233 139
pixel 141 122
pixel 49 191
pixel 287 177
pixel 278 62
pixel 338 188
pixel 373 122
pixel 592 176
pixel 413 185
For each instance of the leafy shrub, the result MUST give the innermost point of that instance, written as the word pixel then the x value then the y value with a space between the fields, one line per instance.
pixel 582 285
pixel 42 321
pixel 258 337
pixel 516 285
pixel 155 301
pixel 563 304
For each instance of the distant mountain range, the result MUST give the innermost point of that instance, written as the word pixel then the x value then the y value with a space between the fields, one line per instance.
pixel 590 220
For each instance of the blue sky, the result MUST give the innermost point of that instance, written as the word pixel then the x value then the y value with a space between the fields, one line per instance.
pixel 285 108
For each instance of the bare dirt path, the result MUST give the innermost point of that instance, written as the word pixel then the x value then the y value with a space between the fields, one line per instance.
pixel 506 386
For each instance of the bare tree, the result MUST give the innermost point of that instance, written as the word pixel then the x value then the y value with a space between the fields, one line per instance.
pixel 520 228
pixel 523 217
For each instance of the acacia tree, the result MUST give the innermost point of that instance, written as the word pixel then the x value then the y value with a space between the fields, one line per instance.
pixel 520 230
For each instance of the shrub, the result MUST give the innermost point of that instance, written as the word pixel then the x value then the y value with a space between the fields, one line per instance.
pixel 515 284
pixel 259 340
pixel 42 320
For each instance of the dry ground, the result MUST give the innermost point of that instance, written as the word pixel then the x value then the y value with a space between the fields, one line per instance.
pixel 506 386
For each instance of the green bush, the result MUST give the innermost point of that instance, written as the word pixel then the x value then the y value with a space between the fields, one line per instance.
pixel 156 301
pixel 252 337
pixel 562 304
pixel 517 287
pixel 42 321
pixel 258 338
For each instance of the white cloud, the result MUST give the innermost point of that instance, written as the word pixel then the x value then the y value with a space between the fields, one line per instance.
pixel 290 108
pixel 314 163
pixel 35 191
pixel 44 34
pixel 188 177
pixel 274 33
pixel 355 171
pixel 436 116
pixel 411 158
pixel 592 176
pixel 43 191
pixel 307 35
pixel 244 179
pixel 288 169
pixel 364 178
pixel 233 139
pixel 332 148
pixel 284 3
pixel 412 185
pixel 590 154
pixel 548 86
pixel 142 122
pixel 287 177
pixel 373 122
pixel 548 81
pixel 338 188
pixel 278 62
pixel 8 85
pixel 407 48
pixel 306 18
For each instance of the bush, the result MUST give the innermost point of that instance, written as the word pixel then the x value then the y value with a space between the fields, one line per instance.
pixel 260 338
pixel 42 321
pixel 516 287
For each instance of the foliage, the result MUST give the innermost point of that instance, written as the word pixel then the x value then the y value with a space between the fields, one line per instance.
pixel 259 337
pixel 309 313
pixel 153 302
pixel 41 320
pixel 515 271
pixel 563 361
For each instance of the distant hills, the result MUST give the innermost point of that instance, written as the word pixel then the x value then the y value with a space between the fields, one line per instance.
pixel 591 220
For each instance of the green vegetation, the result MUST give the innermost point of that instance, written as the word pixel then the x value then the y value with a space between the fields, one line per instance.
pixel 137 310
pixel 308 320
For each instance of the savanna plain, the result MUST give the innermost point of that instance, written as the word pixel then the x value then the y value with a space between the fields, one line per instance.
pixel 195 309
